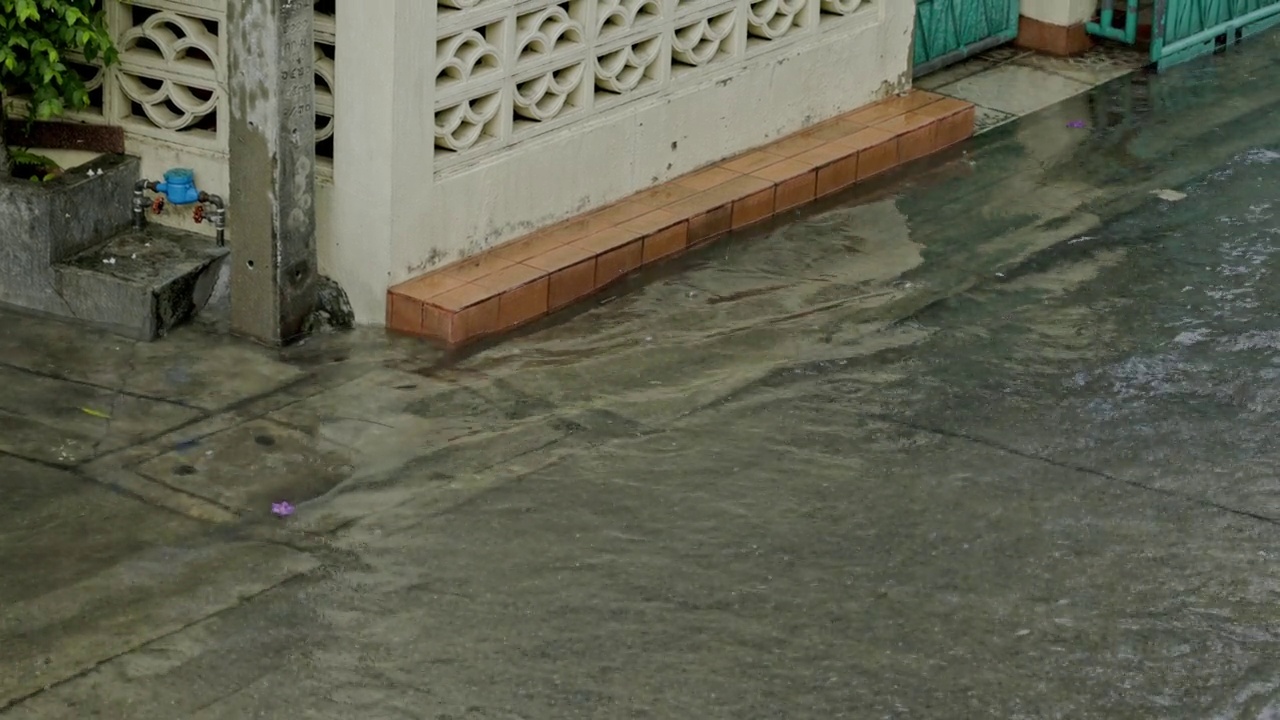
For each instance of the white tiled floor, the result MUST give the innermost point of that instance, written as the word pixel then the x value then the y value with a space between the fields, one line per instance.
pixel 1006 82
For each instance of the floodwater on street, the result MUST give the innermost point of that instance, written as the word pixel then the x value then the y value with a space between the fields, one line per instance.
pixel 991 439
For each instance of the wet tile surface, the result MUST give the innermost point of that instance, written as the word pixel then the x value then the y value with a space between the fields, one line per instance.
pixel 1015 89
pixel 1009 82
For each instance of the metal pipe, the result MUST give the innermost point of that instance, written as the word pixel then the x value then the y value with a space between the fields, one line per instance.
pixel 140 202
pixel 219 215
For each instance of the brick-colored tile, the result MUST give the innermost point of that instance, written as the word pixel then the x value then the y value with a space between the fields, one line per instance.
pixel 437 323
pixel 571 283
pixel 706 179
pixel 955 128
pixel 720 195
pixel 698 204
pixel 667 242
pixel 560 258
pixel 752 208
pixel 906 123
pixel 475 267
pixel 607 240
pixel 877 159
pixel 522 304
pixel 918 143
pixel 621 212
pixel 475 322
pixel 945 107
pixel 751 161
pixel 427 286
pixel 1060 40
pixel 834 130
pixel 796 191
pixel 825 155
pixel 710 225
pixel 528 246
pixel 917 97
pixel 462 297
pixel 782 171
pixel 837 176
pixel 614 264
pixel 577 228
pixel 547 270
pixel 869 137
pixel 512 276
pixel 404 314
pixel 652 222
pixel 663 195
pixel 742 186
pixel 889 107
pixel 791 146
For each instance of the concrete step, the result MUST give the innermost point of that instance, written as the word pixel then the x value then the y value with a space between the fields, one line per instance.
pixel 42 224
pixel 141 283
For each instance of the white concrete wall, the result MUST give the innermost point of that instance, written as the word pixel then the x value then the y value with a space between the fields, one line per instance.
pixel 1060 12
pixel 402 206
pixel 700 80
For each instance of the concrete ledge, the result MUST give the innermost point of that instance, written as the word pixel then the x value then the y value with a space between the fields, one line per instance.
pixel 1059 40
pixel 523 280
pixel 44 223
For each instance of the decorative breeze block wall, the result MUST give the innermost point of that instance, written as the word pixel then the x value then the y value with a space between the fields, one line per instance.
pixel 507 70
pixel 171 82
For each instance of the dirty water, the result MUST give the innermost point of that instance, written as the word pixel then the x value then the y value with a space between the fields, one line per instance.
pixel 993 440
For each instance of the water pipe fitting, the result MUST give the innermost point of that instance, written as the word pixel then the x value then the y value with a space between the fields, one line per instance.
pixel 219 215
pixel 140 203
pixel 179 188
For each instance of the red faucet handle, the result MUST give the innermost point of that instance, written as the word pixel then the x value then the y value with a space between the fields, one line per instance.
pixel 198 215
pixel 157 205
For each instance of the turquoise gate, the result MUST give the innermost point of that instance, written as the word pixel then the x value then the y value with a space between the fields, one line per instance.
pixel 948 31
pixel 1183 29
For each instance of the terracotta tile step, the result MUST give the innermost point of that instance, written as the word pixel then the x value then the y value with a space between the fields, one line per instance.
pixel 525 279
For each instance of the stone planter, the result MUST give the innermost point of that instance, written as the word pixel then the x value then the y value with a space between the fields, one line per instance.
pixel 42 224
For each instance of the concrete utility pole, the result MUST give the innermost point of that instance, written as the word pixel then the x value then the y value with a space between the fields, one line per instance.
pixel 271 216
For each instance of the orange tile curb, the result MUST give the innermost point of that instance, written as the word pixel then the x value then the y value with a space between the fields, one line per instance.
pixel 523 280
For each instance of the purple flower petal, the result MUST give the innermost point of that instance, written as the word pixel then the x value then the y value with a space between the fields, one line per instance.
pixel 1077 124
pixel 282 509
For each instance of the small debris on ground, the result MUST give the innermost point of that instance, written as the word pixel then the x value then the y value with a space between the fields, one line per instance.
pixel 282 509
pixel 109 261
pixel 95 413
pixel 1076 124
pixel 1169 195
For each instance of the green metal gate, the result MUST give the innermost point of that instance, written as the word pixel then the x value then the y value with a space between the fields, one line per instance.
pixel 948 31
pixel 1183 29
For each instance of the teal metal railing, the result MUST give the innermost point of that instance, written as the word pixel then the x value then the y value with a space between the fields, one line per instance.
pixel 1183 29
pixel 1106 26
pixel 948 31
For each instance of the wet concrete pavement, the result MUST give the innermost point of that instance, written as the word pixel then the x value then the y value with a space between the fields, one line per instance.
pixel 994 440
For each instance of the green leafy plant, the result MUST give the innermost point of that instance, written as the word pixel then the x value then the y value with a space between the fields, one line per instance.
pixel 37 39
pixel 31 166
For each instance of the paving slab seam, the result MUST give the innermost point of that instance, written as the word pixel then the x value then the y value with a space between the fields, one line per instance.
pixel 96 386
pixel 230 409
pixel 13 703
pixel 1202 502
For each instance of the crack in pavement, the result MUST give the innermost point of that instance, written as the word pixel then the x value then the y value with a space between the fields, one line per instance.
pixel 992 444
